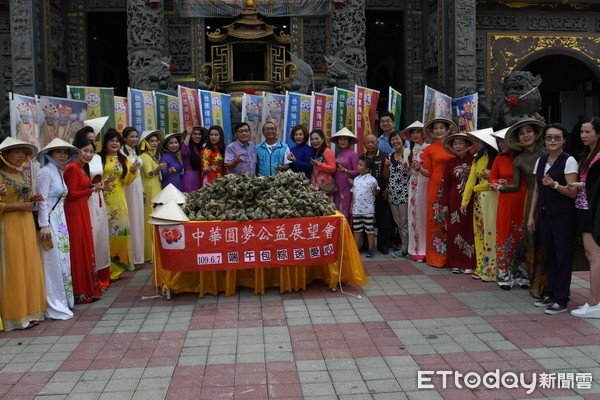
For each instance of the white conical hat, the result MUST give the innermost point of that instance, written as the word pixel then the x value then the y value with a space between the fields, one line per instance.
pixel 345 132
pixel 96 123
pixel 56 144
pixel 178 135
pixel 406 131
pixel 170 212
pixel 485 135
pixel 11 143
pixel 501 134
pixel 170 192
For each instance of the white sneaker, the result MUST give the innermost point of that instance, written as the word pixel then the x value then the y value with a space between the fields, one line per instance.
pixel 591 312
pixel 579 311
pixel 468 271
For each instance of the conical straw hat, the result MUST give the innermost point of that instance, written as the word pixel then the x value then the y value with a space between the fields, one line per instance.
pixel 450 138
pixel 406 131
pixel 56 144
pixel 345 132
pixel 170 212
pixel 96 123
pixel 170 192
pixel 11 143
pixel 428 128
pixel 512 135
pixel 485 135
pixel 501 134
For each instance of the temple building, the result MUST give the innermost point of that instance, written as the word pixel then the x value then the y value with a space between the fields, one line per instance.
pixel 455 46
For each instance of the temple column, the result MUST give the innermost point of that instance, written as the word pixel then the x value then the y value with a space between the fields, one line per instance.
pixel 461 77
pixel 26 60
pixel 348 29
pixel 145 43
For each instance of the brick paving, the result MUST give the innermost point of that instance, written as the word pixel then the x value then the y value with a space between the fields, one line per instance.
pixel 314 344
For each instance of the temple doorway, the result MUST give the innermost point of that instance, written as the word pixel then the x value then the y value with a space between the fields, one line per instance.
pixel 569 92
pixel 107 50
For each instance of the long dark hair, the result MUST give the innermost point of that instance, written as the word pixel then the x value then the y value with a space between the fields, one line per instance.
pixel 491 153
pixel 195 157
pixel 83 132
pixel 126 132
pixel 221 144
pixel 589 154
pixel 80 141
pixel 109 135
pixel 319 152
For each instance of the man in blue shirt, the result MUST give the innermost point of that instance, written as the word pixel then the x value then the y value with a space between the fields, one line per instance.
pixel 272 154
pixel 386 124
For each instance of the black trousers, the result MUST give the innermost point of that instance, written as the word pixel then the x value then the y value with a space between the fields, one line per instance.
pixel 384 221
pixel 557 234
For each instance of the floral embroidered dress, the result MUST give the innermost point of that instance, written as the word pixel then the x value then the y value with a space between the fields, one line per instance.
pixel 348 159
pixel 417 212
pixel 81 240
pixel 99 219
pixel 22 297
pixel 485 206
pixel 434 161
pixel 57 260
pixel 121 247
pixel 152 187
pixel 509 221
pixel 214 159
pixel 459 243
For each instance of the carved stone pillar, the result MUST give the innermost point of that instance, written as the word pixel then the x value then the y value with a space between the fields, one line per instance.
pixel 461 48
pixel 145 43
pixel 24 15
pixel 414 60
pixel 348 29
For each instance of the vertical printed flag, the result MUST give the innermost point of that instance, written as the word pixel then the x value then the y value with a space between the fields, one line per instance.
pixel 189 107
pixel 141 109
pixel 252 106
pixel 366 113
pixel 344 106
pixel 62 118
pixel 274 111
pixel 436 105
pixel 297 112
pixel 466 110
pixel 216 111
pixel 100 102
pixel 322 113
pixel 395 106
pixel 167 113
pixel 121 113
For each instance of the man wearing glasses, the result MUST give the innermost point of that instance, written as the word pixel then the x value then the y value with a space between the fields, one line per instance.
pixel 386 124
pixel 240 155
pixel 272 154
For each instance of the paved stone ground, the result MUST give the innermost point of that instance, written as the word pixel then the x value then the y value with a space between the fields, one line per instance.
pixel 313 344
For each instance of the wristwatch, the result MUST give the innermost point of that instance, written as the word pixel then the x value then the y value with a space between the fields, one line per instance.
pixel 555 185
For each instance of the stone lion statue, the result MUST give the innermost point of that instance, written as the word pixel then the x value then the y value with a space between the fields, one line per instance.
pixel 520 99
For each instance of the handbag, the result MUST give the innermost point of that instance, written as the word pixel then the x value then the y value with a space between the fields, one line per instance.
pixel 329 189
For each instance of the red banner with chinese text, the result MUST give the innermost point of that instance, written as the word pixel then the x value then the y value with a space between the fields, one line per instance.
pixel 224 245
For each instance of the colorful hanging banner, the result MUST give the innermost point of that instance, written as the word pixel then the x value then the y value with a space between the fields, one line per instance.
pixel 297 112
pixel 395 106
pixel 466 110
pixel 344 107
pixel 216 111
pixel 252 106
pixel 62 118
pixel 100 102
pixel 274 111
pixel 366 113
pixel 322 113
pixel 167 113
pixel 25 118
pixel 436 105
pixel 142 112
pixel 189 107
pixel 226 245
pixel 121 113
